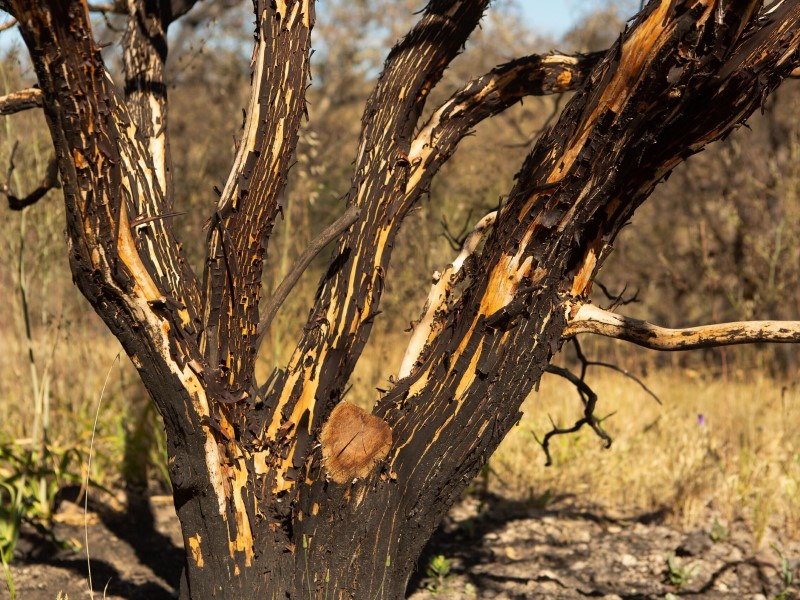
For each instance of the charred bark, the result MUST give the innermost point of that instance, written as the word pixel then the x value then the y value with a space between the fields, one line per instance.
pixel 287 491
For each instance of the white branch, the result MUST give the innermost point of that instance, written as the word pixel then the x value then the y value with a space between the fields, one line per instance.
pixel 436 305
pixel 591 319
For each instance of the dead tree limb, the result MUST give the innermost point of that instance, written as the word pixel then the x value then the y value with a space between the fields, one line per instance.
pixel 22 100
pixel 330 233
pixel 589 398
pixel 592 319
pixel 49 182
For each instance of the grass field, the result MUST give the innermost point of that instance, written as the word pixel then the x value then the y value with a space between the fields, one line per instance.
pixel 713 450
pixel 720 448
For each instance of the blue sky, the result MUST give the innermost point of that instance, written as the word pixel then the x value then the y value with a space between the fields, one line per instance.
pixel 551 16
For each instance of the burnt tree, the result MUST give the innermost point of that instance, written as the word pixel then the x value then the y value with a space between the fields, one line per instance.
pixel 283 490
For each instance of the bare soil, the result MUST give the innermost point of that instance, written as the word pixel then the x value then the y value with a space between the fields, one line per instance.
pixel 495 549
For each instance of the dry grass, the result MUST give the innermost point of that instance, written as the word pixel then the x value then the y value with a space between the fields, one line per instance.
pixel 741 460
pixel 741 463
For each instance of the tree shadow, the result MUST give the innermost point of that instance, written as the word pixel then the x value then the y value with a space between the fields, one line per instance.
pixel 136 527
pixel 464 540
pixel 105 577
pixel 471 546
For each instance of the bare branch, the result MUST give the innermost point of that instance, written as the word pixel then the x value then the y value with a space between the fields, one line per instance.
pixel 617 299
pixel 49 182
pixel 248 205
pixel 592 319
pixel 486 96
pixel 22 100
pixel 144 57
pixel 589 398
pixel 330 233
pixel 435 309
pixel 586 363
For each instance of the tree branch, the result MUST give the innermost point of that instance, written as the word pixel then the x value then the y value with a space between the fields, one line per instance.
pixel 144 57
pixel 106 173
pixel 592 319
pixel 330 233
pixel 589 399
pixel 22 100
pixel 248 204
pixel 49 182
pixel 486 96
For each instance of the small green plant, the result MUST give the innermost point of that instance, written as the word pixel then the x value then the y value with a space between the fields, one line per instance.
pixel 679 575
pixel 9 579
pixel 29 484
pixel 786 575
pixel 439 571
pixel 718 531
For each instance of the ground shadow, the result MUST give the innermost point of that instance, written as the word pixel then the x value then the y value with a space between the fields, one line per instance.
pixel 463 540
pixel 136 527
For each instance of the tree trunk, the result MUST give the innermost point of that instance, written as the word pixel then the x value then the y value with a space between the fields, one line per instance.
pixel 285 491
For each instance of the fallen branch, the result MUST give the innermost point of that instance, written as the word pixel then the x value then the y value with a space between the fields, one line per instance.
pixel 22 100
pixel 592 319
pixel 330 233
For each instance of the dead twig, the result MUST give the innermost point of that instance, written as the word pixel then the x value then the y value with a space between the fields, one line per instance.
pixel 329 234
pixel 617 299
pixel 49 182
pixel 589 398
pixel 586 363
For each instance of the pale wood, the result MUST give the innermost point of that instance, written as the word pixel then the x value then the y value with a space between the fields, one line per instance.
pixel 592 319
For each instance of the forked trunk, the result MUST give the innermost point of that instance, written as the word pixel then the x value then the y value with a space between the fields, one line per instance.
pixel 284 490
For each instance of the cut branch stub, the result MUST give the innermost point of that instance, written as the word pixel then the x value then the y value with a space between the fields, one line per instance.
pixel 353 442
